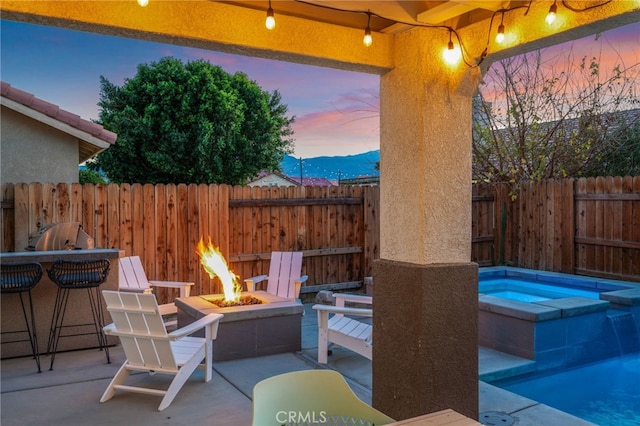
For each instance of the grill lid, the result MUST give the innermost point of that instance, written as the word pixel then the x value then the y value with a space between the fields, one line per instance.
pixel 61 236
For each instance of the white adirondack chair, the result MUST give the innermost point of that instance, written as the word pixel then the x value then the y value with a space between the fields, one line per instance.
pixel 133 278
pixel 284 279
pixel 343 330
pixel 148 347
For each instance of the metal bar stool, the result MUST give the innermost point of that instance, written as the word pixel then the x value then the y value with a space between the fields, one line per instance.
pixel 22 278
pixel 75 275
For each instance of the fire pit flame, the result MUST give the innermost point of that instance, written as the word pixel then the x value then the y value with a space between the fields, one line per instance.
pixel 216 265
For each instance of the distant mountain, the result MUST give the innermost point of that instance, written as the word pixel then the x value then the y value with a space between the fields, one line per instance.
pixel 339 167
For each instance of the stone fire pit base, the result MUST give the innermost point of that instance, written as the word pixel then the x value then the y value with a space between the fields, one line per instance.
pixel 249 331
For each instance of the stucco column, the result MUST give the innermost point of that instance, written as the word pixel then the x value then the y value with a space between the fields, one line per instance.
pixel 425 355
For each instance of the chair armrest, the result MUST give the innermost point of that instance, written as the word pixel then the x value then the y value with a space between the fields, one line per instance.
pixel 298 285
pixel 185 287
pixel 109 328
pixel 195 326
pixel 341 298
pixel 251 282
pixel 344 311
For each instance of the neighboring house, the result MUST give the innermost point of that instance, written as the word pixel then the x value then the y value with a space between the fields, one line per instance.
pixel 39 142
pixel 361 181
pixel 278 179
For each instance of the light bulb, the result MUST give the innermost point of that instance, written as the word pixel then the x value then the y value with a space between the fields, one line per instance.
pixel 451 54
pixel 551 16
pixel 143 3
pixel 500 35
pixel 270 23
pixel 367 40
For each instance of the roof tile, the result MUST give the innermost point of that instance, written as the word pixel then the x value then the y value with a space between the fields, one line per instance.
pixel 54 111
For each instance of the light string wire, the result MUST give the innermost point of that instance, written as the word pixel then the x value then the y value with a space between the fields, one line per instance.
pixel 465 54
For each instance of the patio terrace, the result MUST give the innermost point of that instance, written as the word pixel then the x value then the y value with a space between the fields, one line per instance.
pixel 69 395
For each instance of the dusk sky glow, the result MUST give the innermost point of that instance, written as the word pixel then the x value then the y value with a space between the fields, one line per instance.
pixel 336 111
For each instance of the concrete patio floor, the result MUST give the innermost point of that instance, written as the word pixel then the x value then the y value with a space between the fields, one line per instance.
pixel 69 395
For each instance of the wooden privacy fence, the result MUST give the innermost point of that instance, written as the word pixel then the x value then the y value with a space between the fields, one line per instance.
pixel 335 227
pixel 586 226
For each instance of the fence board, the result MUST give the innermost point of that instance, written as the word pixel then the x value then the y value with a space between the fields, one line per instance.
pixel 126 221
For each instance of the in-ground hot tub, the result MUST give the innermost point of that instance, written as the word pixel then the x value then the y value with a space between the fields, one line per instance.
pixel 554 319
pixel 248 331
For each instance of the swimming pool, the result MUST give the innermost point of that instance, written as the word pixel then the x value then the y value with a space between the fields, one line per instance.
pixel 525 285
pixel 605 393
pixel 530 291
pixel 557 320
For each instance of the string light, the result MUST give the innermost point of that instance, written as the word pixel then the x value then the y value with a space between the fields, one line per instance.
pixel 143 3
pixel 500 35
pixel 551 16
pixel 454 52
pixel 451 54
pixel 270 22
pixel 367 40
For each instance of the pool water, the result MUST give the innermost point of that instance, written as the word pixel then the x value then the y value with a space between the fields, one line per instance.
pixel 606 393
pixel 529 291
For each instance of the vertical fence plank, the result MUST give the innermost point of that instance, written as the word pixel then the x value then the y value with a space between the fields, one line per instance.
pixel 568 221
pixel 635 227
pixel 626 226
pixel 137 220
pixel 75 203
pixel 89 211
pixel 371 227
pixel 25 219
pixel 195 270
pixel 113 216
pixel 600 251
pixel 101 216
pixel 148 256
pixel 125 204
pixel 8 223
pixel 172 232
pixel 183 250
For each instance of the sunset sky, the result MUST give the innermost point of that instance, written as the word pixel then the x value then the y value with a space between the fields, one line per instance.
pixel 336 111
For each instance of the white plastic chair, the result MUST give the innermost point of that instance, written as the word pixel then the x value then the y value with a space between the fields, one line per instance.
pixel 284 279
pixel 311 397
pixel 133 278
pixel 148 347
pixel 342 329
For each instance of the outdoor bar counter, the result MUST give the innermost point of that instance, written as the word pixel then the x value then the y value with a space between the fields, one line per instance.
pixel 44 296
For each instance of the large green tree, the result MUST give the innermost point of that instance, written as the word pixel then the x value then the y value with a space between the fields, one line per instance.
pixel 191 123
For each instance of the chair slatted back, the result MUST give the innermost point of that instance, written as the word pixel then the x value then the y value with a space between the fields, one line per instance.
pixel 284 269
pixel 142 333
pixel 132 276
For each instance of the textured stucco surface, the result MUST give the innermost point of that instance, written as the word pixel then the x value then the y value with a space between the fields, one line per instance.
pixel 34 152
pixel 425 333
pixel 426 128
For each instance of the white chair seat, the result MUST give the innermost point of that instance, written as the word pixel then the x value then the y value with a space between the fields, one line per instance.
pixel 345 327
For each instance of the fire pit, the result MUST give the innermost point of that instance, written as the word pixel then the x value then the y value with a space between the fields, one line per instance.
pixel 247 331
pixel 255 323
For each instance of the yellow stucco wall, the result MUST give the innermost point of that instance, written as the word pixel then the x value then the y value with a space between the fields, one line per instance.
pixel 31 151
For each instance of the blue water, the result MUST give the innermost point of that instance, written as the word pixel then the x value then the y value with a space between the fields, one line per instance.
pixel 529 291
pixel 606 393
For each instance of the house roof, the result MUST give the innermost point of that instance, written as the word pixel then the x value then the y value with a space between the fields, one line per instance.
pixel 295 180
pixel 93 137
pixel 311 181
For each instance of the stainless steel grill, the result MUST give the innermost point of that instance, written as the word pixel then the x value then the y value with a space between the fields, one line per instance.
pixel 61 236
